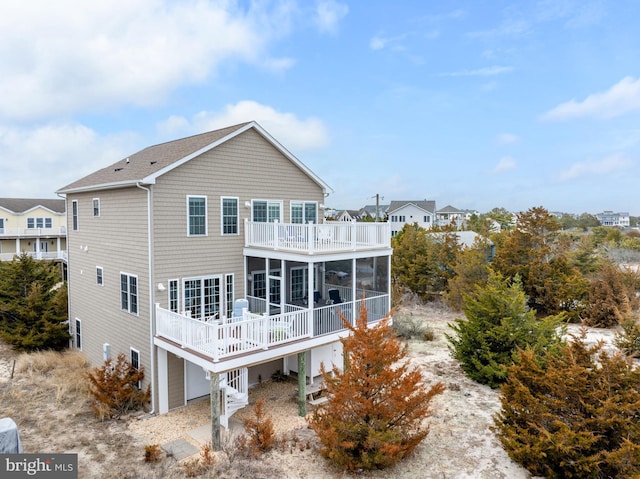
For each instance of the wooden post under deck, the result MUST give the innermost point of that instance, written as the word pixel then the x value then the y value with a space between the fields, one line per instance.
pixel 215 411
pixel 302 384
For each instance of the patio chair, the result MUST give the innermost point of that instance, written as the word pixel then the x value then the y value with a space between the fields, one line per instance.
pixel 334 295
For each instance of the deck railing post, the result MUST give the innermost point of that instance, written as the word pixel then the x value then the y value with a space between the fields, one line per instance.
pixel 265 331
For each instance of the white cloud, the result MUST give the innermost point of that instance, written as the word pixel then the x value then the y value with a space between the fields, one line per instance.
pixel 328 14
pixel 93 55
pixel 380 42
pixel 610 164
pixel 38 161
pixel 486 71
pixel 294 133
pixel 507 138
pixel 506 163
pixel 621 98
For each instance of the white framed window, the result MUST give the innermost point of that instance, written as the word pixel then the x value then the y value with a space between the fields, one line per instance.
pixel 264 211
pixel 259 285
pixel 129 293
pixel 74 215
pixel 304 212
pixel 229 294
pixel 135 363
pixel 99 276
pixel 229 211
pixel 96 207
pixel 298 283
pixel 202 296
pixel 78 334
pixel 174 295
pixel 196 216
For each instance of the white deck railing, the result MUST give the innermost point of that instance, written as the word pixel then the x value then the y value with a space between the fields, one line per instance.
pixel 40 255
pixel 253 332
pixel 318 238
pixel 33 232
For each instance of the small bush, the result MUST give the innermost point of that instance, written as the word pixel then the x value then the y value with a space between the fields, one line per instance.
pixel 628 338
pixel 279 377
pixel 115 388
pixel 197 466
pixel 429 334
pixel 152 453
pixel 260 430
pixel 409 327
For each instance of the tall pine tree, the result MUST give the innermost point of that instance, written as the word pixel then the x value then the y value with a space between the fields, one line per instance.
pixel 33 305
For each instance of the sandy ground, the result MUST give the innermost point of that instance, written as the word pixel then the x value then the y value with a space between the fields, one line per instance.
pixel 460 444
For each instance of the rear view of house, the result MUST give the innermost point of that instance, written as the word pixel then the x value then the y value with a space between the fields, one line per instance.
pixel 207 261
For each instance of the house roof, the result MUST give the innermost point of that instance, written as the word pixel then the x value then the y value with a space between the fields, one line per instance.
pixel 22 205
pixel 429 206
pixel 145 166
pixel 450 209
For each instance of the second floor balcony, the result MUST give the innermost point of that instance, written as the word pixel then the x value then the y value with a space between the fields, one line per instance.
pixel 312 238
pixel 33 232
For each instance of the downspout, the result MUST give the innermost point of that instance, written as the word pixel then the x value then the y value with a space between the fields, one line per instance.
pixel 154 388
pixel 68 275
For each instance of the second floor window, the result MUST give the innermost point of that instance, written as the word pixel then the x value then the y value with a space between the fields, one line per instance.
pixel 74 215
pixel 229 216
pixel 96 207
pixel 39 223
pixel 129 293
pixel 197 215
pixel 266 211
pixel 303 212
pixel 99 276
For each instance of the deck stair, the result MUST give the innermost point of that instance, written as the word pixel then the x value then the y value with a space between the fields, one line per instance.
pixel 234 390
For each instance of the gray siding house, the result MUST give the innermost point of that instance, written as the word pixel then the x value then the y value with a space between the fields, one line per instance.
pixel 207 261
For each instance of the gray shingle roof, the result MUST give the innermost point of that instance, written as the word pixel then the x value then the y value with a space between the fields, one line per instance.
pixel 149 161
pixel 429 206
pixel 20 205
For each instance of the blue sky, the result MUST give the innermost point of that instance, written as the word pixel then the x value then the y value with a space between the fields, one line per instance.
pixel 477 104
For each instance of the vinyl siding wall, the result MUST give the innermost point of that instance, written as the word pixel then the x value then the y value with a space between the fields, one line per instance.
pixel 116 241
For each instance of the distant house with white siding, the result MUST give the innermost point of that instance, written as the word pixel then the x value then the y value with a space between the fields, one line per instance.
pixel 609 218
pixel 421 212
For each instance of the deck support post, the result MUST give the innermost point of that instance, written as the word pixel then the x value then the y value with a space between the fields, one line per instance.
pixel 302 384
pixel 216 444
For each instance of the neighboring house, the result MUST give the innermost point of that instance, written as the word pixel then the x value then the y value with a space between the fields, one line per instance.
pixel 372 211
pixel 206 260
pixel 609 218
pixel 348 215
pixel 401 213
pixel 451 215
pixel 33 226
pixel 467 239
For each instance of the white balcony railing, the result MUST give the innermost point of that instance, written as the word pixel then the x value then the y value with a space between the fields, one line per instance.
pixel 33 232
pixel 318 238
pixel 254 332
pixel 61 255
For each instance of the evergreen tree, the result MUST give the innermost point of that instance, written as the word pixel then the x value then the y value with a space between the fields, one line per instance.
pixel 376 409
pixel 471 268
pixel 497 323
pixel 572 413
pixel 612 297
pixel 33 305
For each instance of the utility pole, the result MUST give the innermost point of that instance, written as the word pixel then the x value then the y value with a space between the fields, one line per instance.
pixel 378 206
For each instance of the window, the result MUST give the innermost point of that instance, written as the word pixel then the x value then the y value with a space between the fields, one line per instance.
pixel 96 207
pixel 229 297
pixel 197 214
pixel 135 363
pixel 48 223
pixel 202 296
pixel 174 300
pixel 74 215
pixel 229 216
pixel 427 219
pixel 78 334
pixel 99 276
pixel 39 223
pixel 298 283
pixel 266 211
pixel 129 293
pixel 304 212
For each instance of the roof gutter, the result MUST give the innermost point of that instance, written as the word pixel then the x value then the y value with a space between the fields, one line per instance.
pixel 154 389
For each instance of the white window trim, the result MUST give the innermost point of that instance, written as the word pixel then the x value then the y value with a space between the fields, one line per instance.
pixel 101 275
pixel 75 333
pixel 222 198
pixel 128 310
pixel 75 215
pixel 261 200
pixel 219 277
pixel 93 207
pixel 177 282
pixel 206 216
pixel 132 350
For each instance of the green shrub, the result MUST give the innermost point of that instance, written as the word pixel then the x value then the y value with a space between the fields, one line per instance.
pixel 497 323
pixel 572 413
pixel 628 338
